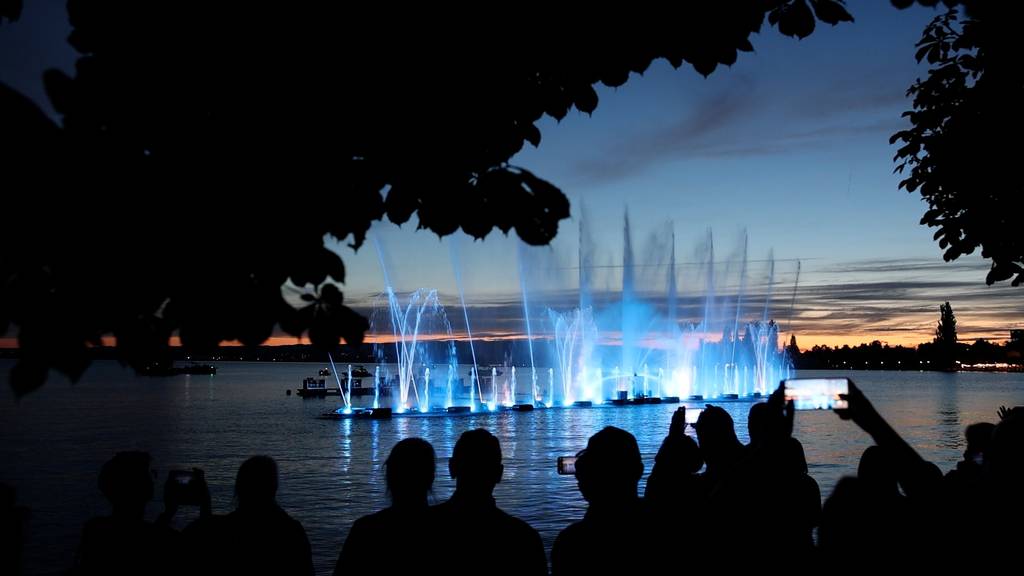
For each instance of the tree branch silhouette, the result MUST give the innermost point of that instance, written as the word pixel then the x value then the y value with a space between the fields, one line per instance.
pixel 959 153
pixel 203 155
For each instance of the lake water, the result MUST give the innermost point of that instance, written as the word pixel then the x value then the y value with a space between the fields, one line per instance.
pixel 53 442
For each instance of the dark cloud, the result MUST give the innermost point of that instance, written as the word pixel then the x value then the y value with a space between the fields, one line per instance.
pixel 866 305
pixel 736 123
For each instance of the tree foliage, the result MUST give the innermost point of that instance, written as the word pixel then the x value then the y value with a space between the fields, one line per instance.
pixel 204 153
pixel 961 151
pixel 945 332
pixel 945 337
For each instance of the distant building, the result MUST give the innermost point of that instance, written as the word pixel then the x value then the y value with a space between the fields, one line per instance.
pixel 1017 336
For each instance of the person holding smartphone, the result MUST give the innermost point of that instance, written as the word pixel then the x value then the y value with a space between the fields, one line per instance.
pixel 674 480
pixel 608 472
pixel 124 542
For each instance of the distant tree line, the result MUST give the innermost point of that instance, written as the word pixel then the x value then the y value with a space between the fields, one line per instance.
pixel 927 356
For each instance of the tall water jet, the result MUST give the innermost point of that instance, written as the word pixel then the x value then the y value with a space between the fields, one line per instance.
pixel 510 399
pixel 421 336
pixel 534 391
pixel 494 387
pixel 348 394
pixel 425 406
pixel 574 337
pixel 739 307
pixel 771 284
pixel 584 261
pixel 465 313
pixel 450 401
pixel 551 387
pixel 474 384
pixel 376 387
pixel 341 392
pixel 526 306
pixel 629 328
pixel 709 300
pixel 671 291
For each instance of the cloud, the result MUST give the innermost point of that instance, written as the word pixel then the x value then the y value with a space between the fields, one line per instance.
pixel 729 125
pixel 893 300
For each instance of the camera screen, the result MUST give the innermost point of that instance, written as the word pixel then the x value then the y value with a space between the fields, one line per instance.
pixel 817 393
pixel 566 464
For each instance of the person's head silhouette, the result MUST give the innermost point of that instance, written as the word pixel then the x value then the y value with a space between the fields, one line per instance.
pixel 757 423
pixel 256 483
pixel 715 431
pixel 978 436
pixel 877 471
pixel 609 468
pixel 476 463
pixel 127 483
pixel 409 471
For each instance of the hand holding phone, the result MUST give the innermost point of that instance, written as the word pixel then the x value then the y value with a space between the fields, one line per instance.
pixel 678 425
pixel 186 487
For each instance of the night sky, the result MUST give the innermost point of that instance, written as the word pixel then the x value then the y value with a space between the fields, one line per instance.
pixel 789 145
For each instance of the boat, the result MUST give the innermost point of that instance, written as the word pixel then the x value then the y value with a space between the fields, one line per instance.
pixel 164 369
pixel 323 384
pixel 194 368
pixel 317 387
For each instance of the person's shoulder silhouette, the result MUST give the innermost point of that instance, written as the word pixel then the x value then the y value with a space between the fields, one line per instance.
pixel 608 471
pixel 409 474
pixel 13 527
pixel 472 519
pixel 124 542
pixel 259 537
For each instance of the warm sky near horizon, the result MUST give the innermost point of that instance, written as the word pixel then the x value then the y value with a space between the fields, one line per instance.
pixel 789 145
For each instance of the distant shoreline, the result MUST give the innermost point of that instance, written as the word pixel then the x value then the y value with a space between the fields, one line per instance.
pixel 488 354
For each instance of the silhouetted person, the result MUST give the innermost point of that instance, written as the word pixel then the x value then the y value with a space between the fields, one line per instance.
pixel 757 423
pixel 258 537
pixel 674 483
pixel 675 492
pixel 968 472
pixel 721 450
pixel 124 543
pixel 603 542
pixel 796 485
pixel 473 533
pixel 371 543
pixel 865 513
pixel 917 476
pixel 1004 497
pixel 13 525
pixel 768 490
pixel 926 521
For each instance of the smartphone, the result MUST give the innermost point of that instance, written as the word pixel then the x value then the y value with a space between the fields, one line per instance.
pixel 186 490
pixel 817 393
pixel 566 465
pixel 692 414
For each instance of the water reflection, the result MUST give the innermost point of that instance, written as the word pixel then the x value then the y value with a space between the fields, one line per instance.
pixel 331 470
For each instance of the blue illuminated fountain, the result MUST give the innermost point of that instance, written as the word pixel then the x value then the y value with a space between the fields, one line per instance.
pixel 635 345
pixel 415 335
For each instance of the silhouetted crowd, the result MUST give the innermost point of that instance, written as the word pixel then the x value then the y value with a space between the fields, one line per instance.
pixel 710 504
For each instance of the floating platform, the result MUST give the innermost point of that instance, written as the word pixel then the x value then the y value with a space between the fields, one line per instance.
pixel 364 413
pixel 484 409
